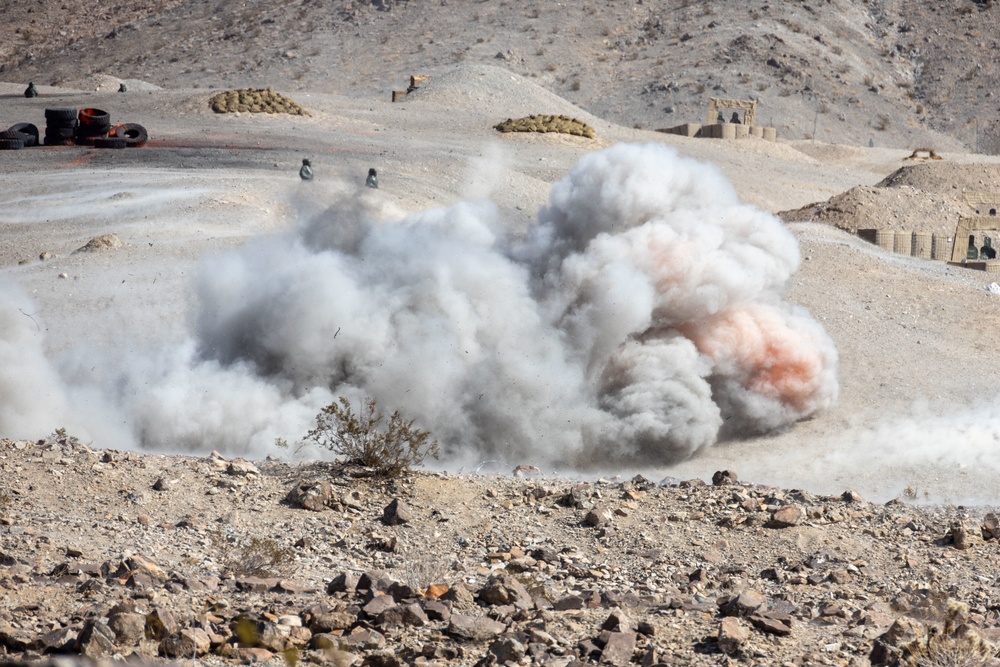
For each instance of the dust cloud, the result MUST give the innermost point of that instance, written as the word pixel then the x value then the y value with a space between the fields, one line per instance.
pixel 640 320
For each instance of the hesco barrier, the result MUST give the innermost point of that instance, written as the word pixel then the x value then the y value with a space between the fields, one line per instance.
pixel 885 239
pixel 902 243
pixel 924 245
pixel 942 248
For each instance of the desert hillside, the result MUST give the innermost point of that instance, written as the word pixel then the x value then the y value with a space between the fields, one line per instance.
pixel 889 72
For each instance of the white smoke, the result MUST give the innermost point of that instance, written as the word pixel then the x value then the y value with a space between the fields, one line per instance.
pixel 613 329
pixel 31 393
pixel 640 320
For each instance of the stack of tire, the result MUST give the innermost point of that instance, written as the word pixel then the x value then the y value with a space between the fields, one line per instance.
pixel 60 126
pixel 93 127
pixel 66 127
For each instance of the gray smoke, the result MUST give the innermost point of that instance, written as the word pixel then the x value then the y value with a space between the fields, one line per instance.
pixel 641 313
pixel 639 320
pixel 31 393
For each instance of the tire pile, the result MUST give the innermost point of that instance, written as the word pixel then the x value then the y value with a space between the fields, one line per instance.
pixel 72 127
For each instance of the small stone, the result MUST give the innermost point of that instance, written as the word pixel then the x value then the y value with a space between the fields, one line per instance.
pixel 772 624
pixel 524 470
pixel 474 628
pixel 618 649
pixel 96 640
pixel 743 604
pixel 313 495
pixel 786 517
pixel 851 496
pixel 598 516
pixel 378 605
pixel 396 513
pixel 252 655
pixel 991 526
pixel 961 535
pixel 186 643
pixel 724 478
pixel 345 582
pixel 242 468
pixel 57 641
pixel 732 634
pixel 129 628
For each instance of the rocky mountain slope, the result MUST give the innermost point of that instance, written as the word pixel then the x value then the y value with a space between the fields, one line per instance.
pixel 885 72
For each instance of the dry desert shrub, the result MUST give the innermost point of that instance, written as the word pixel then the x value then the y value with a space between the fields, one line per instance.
pixel 254 100
pixel 956 645
pixel 252 556
pixel 547 123
pixel 390 450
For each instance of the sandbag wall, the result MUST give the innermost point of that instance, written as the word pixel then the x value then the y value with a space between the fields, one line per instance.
pixel 924 245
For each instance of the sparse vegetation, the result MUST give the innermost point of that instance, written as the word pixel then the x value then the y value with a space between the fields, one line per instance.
pixel 883 122
pixel 956 645
pixel 389 451
pixel 252 556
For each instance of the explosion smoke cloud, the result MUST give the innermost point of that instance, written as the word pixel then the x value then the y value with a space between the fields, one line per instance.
pixel 615 328
pixel 639 320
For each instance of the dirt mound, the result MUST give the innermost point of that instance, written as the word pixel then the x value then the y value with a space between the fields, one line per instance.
pixel 901 208
pixel 494 90
pixel 946 177
pixel 103 242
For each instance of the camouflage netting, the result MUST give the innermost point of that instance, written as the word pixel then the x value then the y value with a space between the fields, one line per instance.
pixel 544 123
pixel 254 100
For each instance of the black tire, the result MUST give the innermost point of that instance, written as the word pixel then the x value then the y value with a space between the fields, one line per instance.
pixel 60 114
pixel 94 117
pixel 57 141
pixel 93 130
pixel 60 132
pixel 27 129
pixel 11 144
pixel 109 142
pixel 135 135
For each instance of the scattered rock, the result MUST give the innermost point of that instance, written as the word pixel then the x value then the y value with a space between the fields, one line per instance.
pixel 314 495
pixel 474 628
pixel 724 477
pixel 396 513
pixel 786 517
pixel 732 634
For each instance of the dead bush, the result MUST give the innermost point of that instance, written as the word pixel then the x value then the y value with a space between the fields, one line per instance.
pixel 954 645
pixel 390 450
pixel 253 556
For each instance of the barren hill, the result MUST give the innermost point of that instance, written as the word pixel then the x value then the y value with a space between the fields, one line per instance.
pixel 888 72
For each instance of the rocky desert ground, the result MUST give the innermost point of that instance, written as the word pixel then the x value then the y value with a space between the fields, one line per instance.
pixel 145 511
